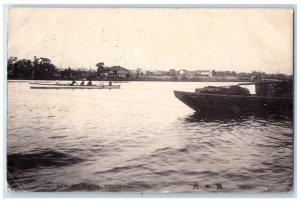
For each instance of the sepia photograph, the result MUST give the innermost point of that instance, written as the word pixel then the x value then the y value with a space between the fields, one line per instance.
pixel 150 100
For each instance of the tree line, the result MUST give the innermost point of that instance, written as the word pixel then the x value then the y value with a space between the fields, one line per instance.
pixel 41 68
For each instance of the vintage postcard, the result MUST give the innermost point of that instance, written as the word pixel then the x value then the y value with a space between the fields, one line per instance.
pixel 150 100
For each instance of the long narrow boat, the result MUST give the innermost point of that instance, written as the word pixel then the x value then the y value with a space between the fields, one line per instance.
pixel 270 98
pixel 66 86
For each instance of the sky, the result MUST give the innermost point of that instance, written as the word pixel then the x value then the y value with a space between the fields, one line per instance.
pixel 241 40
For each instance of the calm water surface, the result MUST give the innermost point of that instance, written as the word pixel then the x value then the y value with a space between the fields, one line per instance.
pixel 141 138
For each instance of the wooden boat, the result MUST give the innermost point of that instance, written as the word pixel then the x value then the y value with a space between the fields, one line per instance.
pixel 68 86
pixel 270 98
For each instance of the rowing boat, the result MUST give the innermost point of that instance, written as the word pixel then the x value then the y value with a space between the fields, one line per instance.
pixel 68 86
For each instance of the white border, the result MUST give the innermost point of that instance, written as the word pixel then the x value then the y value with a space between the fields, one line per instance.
pixel 149 3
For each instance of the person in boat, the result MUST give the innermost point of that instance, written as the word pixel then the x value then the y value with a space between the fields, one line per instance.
pixel 89 83
pixel 110 83
pixel 82 83
pixel 73 83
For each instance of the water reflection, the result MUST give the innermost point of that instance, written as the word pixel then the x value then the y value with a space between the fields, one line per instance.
pixel 197 117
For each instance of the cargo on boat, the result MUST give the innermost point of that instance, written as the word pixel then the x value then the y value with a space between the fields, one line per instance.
pixel 272 97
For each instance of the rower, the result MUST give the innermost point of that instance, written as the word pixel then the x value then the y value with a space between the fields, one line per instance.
pixel 73 83
pixel 110 83
pixel 89 83
pixel 82 83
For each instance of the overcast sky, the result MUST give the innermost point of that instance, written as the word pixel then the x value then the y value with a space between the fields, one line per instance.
pixel 156 39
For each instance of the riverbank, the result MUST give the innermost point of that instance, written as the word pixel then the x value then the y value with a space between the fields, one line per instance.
pixel 148 80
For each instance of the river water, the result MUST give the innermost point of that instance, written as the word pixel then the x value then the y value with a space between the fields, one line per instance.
pixel 139 138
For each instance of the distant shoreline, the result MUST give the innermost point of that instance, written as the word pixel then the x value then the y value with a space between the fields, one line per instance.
pixel 149 80
pixel 117 80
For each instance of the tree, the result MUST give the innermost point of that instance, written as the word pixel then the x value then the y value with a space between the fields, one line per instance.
pixel 43 68
pixel 19 69
pixel 39 68
pixel 24 68
pixel 67 73
pixel 213 73
pixel 100 64
pixel 10 66
pixel 138 72
pixel 172 72
pixel 148 73
pixel 101 68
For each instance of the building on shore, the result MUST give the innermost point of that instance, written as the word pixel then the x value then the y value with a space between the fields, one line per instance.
pixel 119 72
pixel 114 72
pixel 194 75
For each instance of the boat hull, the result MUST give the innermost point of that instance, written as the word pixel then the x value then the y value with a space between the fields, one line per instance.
pixel 220 105
pixel 74 87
